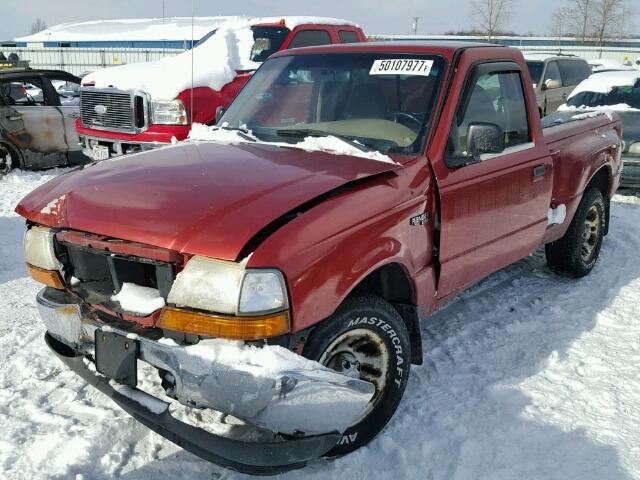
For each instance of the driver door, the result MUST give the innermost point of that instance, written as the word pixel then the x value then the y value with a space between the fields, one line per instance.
pixel 32 123
pixel 493 206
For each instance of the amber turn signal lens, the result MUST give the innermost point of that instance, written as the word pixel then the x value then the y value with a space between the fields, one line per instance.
pixel 50 278
pixel 234 328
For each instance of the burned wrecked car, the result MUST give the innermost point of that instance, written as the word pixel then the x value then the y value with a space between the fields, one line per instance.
pixel 38 109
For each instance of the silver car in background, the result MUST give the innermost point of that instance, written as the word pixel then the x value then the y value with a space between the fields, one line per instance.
pixel 554 77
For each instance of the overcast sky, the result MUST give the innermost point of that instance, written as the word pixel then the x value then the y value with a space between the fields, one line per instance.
pixel 376 16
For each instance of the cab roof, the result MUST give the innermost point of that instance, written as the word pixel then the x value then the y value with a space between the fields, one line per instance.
pixel 444 48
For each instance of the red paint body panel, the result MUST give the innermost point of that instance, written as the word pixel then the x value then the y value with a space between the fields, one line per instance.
pixel 211 199
pixel 205 199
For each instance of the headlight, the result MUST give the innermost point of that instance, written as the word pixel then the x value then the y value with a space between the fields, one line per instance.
pixel 38 248
pixel 171 112
pixel 634 148
pixel 262 291
pixel 227 287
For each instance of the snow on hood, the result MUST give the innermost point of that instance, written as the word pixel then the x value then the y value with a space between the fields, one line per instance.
pixel 215 61
pixel 328 144
pixel 605 82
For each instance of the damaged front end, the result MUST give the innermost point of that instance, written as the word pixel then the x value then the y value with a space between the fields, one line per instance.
pixel 303 405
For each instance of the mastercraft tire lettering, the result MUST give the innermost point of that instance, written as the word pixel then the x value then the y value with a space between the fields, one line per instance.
pixel 367 338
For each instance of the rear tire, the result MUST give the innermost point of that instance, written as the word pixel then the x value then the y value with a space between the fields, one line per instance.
pixel 577 252
pixel 365 338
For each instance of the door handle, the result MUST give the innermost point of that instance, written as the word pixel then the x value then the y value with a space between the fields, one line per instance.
pixel 539 172
pixel 13 117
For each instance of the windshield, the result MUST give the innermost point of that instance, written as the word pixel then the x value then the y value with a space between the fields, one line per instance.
pixel 629 95
pixel 381 101
pixel 535 71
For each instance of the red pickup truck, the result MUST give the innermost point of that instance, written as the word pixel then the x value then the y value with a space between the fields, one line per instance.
pixel 136 107
pixel 278 268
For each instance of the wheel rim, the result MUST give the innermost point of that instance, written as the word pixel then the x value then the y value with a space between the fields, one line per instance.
pixel 590 234
pixel 5 160
pixel 363 354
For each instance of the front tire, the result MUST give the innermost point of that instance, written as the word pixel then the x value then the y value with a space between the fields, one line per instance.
pixel 577 252
pixel 365 338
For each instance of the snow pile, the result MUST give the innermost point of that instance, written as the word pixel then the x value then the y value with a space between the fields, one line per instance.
pixel 215 62
pixel 328 144
pixel 129 29
pixel 556 216
pixel 259 361
pixel 169 28
pixel 214 65
pixel 605 82
pixel 137 299
pixel 151 403
pixel 226 136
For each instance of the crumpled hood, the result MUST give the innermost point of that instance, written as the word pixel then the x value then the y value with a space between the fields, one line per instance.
pixel 197 198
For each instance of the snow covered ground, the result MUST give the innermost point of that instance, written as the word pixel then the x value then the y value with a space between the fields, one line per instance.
pixel 527 376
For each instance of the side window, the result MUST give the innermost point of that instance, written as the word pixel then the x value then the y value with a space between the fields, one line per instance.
pixel 27 93
pixel 308 38
pixel 552 72
pixel 496 98
pixel 572 72
pixel 348 36
pixel 68 92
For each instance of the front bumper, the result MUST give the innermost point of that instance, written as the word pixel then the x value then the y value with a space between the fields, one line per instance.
pixel 292 401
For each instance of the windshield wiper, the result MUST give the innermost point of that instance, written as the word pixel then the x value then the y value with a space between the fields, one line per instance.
pixel 309 132
pixel 243 132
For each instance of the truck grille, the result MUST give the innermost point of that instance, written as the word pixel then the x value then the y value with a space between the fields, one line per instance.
pixel 100 274
pixel 111 109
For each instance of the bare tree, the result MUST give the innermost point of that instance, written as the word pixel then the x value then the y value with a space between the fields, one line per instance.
pixel 609 19
pixel 38 26
pixel 559 23
pixel 578 18
pixel 491 16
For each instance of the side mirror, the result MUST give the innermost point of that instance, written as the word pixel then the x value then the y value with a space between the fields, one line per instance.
pixel 484 138
pixel 219 113
pixel 550 84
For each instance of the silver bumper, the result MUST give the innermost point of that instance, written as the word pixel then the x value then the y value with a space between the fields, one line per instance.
pixel 630 172
pixel 287 401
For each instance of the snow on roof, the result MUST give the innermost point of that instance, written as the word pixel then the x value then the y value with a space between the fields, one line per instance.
pixel 215 61
pixel 606 81
pixel 172 28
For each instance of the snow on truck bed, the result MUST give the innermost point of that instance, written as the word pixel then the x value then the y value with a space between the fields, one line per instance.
pixel 215 61
pixel 526 376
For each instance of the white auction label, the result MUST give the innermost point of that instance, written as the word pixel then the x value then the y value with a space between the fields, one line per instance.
pixel 401 66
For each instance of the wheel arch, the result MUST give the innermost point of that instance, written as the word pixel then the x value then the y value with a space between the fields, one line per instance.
pixel 393 283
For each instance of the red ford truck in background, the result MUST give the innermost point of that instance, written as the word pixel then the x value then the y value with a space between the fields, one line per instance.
pixel 278 268
pixel 137 107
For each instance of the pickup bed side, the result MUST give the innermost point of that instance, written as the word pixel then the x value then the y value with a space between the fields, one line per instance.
pixel 585 152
